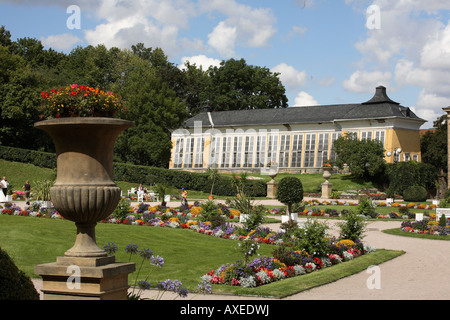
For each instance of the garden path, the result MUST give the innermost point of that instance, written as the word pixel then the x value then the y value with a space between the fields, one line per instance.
pixel 422 273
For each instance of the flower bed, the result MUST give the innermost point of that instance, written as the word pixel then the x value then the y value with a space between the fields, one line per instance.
pixel 426 227
pixel 264 270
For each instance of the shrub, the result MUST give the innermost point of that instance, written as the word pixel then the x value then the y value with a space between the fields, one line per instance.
pixel 365 207
pixel 415 194
pixel 443 220
pixel 290 191
pixel 210 212
pixel 313 238
pixel 14 284
pixel 122 210
pixel 353 227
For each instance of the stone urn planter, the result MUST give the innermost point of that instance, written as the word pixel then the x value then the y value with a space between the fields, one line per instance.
pixel 84 191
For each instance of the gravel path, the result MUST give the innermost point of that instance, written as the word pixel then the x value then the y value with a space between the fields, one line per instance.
pixel 422 273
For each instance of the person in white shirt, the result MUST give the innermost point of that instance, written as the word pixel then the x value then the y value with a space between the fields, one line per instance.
pixel 4 184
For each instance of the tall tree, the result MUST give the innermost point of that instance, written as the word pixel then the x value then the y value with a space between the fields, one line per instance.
pixel 433 145
pixel 235 85
pixel 155 109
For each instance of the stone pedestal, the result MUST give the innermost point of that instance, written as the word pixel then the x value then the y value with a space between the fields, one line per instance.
pixel 73 278
pixel 326 190
pixel 326 186
pixel 272 189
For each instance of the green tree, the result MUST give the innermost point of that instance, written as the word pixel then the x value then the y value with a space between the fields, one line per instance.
pixel 290 191
pixel 365 158
pixel 433 145
pixel 154 108
pixel 235 85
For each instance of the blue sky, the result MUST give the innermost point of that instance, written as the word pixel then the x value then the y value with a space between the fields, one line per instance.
pixel 326 51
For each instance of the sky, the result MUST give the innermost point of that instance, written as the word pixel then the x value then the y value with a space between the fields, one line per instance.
pixel 326 51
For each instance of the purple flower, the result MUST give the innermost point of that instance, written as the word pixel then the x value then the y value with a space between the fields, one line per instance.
pixel 174 286
pixel 110 248
pixel 131 248
pixel 157 261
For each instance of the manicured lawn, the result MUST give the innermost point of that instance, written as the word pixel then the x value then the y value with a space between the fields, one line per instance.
pixel 187 254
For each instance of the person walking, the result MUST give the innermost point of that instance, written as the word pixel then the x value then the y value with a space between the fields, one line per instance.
pixel 4 183
pixel 184 202
pixel 27 189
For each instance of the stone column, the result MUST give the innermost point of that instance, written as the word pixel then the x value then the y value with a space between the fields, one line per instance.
pixel 448 143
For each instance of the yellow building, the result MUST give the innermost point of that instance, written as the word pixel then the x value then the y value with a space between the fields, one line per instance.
pixel 297 139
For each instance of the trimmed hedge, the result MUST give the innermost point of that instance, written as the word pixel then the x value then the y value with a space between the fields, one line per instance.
pixel 184 179
pixel 145 175
pixel 14 284
pixel 37 158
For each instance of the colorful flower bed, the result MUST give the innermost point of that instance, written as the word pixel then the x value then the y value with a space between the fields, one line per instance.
pixel 262 270
pixel 427 226
pixel 284 264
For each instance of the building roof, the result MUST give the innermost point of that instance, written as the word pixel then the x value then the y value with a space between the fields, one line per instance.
pixel 379 107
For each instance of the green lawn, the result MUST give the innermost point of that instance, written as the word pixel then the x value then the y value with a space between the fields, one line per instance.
pixel 187 254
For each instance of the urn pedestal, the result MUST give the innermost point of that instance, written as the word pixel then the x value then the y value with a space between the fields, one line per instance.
pixel 85 193
pixel 327 186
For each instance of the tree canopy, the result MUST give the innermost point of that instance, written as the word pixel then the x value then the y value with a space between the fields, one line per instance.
pixel 159 94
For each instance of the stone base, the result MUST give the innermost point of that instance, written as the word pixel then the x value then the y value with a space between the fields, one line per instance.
pixel 71 278
pixel 272 189
pixel 326 190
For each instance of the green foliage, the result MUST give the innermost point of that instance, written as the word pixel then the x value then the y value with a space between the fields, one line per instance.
pixel 365 158
pixel 289 191
pixel 313 237
pixel 211 213
pixel 42 189
pixel 353 227
pixel 235 85
pixel 443 221
pixel 433 145
pixel 14 284
pixel 37 158
pixel 122 210
pixel 365 207
pixel 415 194
pixel 248 247
pixel 404 174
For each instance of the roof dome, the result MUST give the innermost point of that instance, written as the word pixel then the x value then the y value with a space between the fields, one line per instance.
pixel 380 97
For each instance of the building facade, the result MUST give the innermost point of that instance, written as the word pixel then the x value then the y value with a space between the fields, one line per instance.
pixel 297 139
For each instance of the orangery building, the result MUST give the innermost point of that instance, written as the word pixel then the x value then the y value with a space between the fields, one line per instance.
pixel 296 139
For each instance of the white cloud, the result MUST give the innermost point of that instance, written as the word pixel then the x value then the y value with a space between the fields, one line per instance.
pixel 63 42
pixel 411 47
pixel 304 99
pixel 200 61
pixel 289 76
pixel 363 81
pixel 243 25
pixel 429 106
pixel 153 22
pixel 223 39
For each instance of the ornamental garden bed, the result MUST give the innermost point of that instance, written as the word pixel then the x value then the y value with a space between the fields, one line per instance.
pixel 284 263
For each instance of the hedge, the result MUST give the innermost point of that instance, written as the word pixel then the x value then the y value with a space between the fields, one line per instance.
pixel 145 175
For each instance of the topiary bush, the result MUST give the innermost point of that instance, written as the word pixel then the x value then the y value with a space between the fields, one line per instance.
pixel 290 191
pixel 415 194
pixel 14 284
